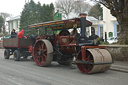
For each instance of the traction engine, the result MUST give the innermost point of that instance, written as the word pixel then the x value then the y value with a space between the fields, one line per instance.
pixel 66 48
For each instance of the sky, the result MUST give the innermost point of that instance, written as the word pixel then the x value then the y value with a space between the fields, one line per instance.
pixel 15 7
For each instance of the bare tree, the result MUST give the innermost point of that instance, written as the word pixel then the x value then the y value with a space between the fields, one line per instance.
pixel 5 15
pixel 71 6
pixel 81 6
pixel 65 6
pixel 119 9
pixel 96 11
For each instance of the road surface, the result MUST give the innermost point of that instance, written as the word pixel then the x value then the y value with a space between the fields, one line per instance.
pixel 26 72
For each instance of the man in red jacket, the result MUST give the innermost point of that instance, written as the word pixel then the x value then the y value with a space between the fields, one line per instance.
pixel 20 34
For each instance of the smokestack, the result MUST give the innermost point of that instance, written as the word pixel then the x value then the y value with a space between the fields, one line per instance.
pixel 83 40
pixel 83 25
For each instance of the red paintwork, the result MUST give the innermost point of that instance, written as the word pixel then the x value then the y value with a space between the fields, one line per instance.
pixel 64 40
pixel 83 52
pixel 40 59
pixel 67 44
pixel 30 49
pixel 56 39
pixel 84 68
pixel 69 49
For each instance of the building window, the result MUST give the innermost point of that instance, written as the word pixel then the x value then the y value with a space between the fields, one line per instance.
pixel 101 31
pixel 110 34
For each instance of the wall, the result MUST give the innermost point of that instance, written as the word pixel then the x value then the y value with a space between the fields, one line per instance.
pixel 118 52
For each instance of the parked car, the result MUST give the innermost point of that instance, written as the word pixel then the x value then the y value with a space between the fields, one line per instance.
pixel 112 40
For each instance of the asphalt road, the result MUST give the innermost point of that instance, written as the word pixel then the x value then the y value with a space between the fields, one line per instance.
pixel 26 72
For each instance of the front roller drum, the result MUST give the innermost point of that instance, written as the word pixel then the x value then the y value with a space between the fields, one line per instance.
pixel 43 53
pixel 95 56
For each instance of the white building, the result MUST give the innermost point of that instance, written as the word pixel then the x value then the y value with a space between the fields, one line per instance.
pixel 14 23
pixel 108 25
pixel 95 23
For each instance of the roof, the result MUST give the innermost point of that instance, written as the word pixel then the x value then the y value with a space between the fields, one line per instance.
pixel 13 18
pixel 60 24
pixel 91 18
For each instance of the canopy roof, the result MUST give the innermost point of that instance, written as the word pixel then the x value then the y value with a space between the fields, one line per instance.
pixel 61 24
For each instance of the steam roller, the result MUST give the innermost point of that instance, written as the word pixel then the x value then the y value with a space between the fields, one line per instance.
pixel 66 46
pixel 93 60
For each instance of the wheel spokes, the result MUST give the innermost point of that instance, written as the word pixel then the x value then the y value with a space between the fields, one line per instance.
pixel 89 58
pixel 41 53
pixel 44 56
pixel 85 68
pixel 44 50
pixel 39 47
pixel 42 45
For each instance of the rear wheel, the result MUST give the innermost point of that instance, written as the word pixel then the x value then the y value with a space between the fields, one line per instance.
pixel 43 53
pixel 6 53
pixel 16 55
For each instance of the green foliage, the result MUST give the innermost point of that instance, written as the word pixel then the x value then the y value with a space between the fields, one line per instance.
pixel 1 22
pixel 35 13
pixel 96 11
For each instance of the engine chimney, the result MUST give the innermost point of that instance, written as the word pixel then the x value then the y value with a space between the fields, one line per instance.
pixel 84 40
pixel 83 25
